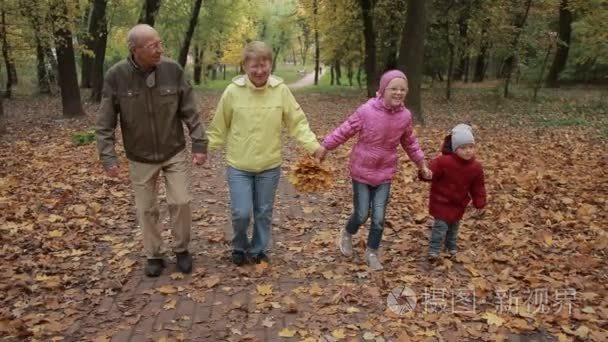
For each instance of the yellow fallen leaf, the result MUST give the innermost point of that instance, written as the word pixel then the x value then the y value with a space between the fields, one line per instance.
pixel 80 209
pixel 427 333
pixel 369 336
pixel 588 310
pixel 315 290
pixel 55 218
pixel 563 338
pixel 264 290
pixel 582 332
pixel 338 334
pixel 492 319
pixel 167 289
pixel 211 281
pixel 176 276
pixel 56 233
pixel 352 309
pixel 170 304
pixel 287 333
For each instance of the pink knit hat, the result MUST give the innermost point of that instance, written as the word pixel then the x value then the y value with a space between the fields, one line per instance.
pixel 387 77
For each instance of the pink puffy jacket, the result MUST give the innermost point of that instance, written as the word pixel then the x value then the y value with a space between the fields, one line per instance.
pixel 373 159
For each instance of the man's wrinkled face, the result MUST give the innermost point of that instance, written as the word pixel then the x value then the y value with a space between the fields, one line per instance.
pixel 149 50
pixel 258 70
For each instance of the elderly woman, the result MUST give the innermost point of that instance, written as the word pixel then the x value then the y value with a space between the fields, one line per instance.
pixel 249 118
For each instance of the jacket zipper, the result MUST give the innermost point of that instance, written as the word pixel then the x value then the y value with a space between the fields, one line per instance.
pixel 153 124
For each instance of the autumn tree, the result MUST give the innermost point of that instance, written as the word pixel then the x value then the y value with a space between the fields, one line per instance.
pixel 563 43
pixel 68 81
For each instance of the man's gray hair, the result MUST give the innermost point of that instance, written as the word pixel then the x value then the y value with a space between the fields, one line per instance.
pixel 135 33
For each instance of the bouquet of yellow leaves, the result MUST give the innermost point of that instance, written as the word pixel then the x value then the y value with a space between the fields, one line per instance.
pixel 310 175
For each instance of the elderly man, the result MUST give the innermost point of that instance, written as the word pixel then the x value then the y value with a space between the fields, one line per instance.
pixel 151 95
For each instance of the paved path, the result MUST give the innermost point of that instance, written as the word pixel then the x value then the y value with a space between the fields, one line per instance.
pixel 307 80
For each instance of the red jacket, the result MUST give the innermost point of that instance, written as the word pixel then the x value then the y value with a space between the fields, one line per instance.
pixel 455 182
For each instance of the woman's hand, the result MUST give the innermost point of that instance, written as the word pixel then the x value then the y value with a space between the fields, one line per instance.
pixel 320 153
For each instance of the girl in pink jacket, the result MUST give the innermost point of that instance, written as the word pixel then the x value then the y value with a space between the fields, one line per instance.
pixel 382 123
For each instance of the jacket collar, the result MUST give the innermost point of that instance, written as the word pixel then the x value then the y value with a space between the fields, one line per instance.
pixel 243 81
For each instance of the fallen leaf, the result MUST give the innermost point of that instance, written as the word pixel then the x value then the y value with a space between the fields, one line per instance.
pixel 268 322
pixel 170 304
pixel 338 334
pixel 493 319
pixel 211 281
pixel 176 276
pixel 167 289
pixel 264 290
pixel 285 332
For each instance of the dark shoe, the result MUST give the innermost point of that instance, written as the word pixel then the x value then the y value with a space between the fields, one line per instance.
pixel 154 267
pixel 261 257
pixel 238 258
pixel 184 261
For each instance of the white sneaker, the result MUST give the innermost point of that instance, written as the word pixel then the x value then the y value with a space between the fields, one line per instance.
pixel 345 243
pixel 371 255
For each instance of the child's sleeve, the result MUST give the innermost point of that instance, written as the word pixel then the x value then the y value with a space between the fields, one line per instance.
pixel 410 144
pixel 220 124
pixel 297 123
pixel 478 191
pixel 344 132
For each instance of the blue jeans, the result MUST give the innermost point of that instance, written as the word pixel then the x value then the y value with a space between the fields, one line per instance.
pixel 251 191
pixel 365 197
pixel 443 231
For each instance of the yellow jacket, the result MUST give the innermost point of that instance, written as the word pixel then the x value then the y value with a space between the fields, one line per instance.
pixel 249 120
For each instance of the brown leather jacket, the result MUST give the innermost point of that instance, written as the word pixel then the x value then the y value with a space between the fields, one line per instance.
pixel 151 107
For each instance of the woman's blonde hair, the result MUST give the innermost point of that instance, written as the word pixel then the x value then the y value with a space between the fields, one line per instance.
pixel 257 49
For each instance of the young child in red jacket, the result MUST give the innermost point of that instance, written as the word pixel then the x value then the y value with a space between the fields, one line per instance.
pixel 457 179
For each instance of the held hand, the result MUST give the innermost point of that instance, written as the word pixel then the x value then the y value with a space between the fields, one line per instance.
pixel 199 158
pixel 426 172
pixel 478 213
pixel 320 153
pixel 112 171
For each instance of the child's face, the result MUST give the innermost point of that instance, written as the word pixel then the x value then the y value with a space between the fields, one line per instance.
pixel 395 92
pixel 466 151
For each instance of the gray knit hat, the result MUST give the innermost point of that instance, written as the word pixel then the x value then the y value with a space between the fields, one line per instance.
pixel 461 135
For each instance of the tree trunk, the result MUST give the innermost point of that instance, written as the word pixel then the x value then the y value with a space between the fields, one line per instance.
pixel 542 70
pixel 214 72
pixel 293 55
pixel 183 52
pixel 359 76
pixel 391 57
pixel 411 54
pixel 11 71
pixel 480 62
pixel 2 119
pixel 563 44
pixel 149 11
pixel 100 42
pixel 68 80
pixel 44 87
pixel 54 74
pixel 224 70
pixel 87 57
pixel 198 64
pixel 332 75
pixel 317 49
pixel 448 87
pixel 467 62
pixel 274 58
pixel 463 29
pixel 338 73
pixel 370 45
pixel 349 73
pixel 511 60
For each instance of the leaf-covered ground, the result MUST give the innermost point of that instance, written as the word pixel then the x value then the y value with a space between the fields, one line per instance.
pixel 535 265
